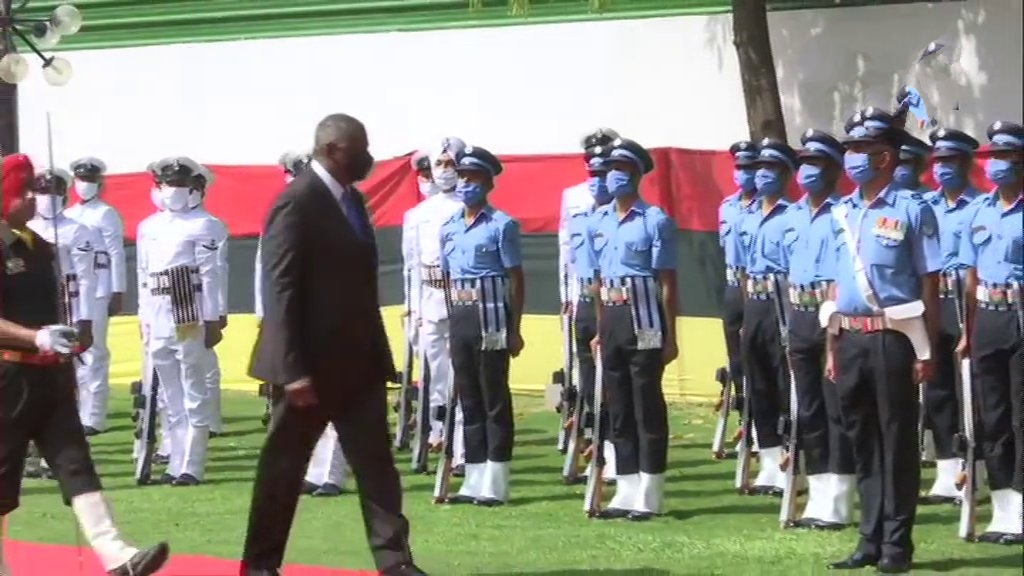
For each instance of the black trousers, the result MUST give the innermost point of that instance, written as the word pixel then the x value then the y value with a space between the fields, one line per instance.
pixel 636 404
pixel 878 399
pixel 584 331
pixel 732 320
pixel 767 374
pixel 37 403
pixel 362 426
pixel 998 370
pixel 825 445
pixel 481 382
pixel 941 398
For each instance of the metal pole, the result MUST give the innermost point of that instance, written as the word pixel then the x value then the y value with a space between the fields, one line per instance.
pixel 8 92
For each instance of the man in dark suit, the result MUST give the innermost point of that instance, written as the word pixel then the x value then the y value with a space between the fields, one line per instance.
pixel 322 341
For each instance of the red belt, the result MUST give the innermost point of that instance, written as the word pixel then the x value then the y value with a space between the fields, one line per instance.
pixel 863 323
pixel 34 358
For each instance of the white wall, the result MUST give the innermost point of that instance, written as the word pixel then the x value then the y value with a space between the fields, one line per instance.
pixel 514 90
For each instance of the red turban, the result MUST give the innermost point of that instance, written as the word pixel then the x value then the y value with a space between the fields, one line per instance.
pixel 17 175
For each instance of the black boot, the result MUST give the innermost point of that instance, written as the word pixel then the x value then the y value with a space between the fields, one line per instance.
pixel 145 562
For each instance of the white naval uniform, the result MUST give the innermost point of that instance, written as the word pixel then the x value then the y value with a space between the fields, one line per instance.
pixel 177 241
pixel 94 371
pixel 575 200
pixel 421 253
pixel 212 361
pixel 327 465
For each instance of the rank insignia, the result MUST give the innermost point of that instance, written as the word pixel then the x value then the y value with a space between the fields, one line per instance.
pixel 14 265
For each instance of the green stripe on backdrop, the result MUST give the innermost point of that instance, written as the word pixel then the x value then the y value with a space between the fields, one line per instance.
pixel 700 273
pixel 127 23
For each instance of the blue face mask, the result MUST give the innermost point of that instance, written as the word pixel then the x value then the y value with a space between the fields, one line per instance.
pixel 599 190
pixel 619 183
pixel 767 182
pixel 811 180
pixel 744 179
pixel 1000 172
pixel 471 193
pixel 947 174
pixel 858 167
pixel 906 176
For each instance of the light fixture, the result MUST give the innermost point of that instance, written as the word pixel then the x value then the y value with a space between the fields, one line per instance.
pixel 38 34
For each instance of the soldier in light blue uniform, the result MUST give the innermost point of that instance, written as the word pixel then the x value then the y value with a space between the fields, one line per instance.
pixel 635 246
pixel 953 158
pixel 992 248
pixel 482 261
pixel 913 162
pixel 730 213
pixel 809 246
pixel 761 241
pixel 881 317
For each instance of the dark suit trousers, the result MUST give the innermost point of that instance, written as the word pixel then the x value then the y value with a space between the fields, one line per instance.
pixel 362 427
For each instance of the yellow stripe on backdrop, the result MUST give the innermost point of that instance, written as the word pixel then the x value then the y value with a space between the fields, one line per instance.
pixel 702 351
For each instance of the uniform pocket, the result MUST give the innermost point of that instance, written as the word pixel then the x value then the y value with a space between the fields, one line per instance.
pixel 637 252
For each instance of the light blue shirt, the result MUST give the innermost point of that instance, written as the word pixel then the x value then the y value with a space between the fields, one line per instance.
pixel 899 243
pixel 993 240
pixel 808 242
pixel 761 239
pixel 487 246
pixel 951 221
pixel 731 212
pixel 641 243
pixel 582 256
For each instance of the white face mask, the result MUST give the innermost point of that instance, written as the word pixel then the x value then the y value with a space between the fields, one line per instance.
pixel 175 198
pixel 445 178
pixel 427 188
pixel 195 199
pixel 154 196
pixel 86 190
pixel 48 206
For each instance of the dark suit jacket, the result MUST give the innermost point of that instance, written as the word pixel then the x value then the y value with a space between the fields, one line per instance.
pixel 321 308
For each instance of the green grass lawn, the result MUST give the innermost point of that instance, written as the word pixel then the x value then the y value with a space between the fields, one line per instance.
pixel 708 530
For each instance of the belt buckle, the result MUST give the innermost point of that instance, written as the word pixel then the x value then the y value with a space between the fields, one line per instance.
pixel 617 295
pixel 997 296
pixel 464 295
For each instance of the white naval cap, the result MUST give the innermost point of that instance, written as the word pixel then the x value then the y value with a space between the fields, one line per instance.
pixel 58 173
pixel 451 145
pixel 206 174
pixel 88 166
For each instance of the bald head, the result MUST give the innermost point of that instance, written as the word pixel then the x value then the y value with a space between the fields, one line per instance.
pixel 342 148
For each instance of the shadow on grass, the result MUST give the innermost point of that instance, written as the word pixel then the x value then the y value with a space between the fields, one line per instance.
pixel 1011 560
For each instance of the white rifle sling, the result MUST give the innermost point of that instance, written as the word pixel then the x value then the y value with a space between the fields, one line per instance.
pixel 181 284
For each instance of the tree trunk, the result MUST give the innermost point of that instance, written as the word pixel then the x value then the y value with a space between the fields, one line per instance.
pixel 757 70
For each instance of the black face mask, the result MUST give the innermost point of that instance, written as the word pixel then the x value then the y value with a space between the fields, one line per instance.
pixel 359 167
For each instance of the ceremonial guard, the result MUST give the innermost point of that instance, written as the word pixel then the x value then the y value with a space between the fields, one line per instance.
pixel 952 160
pixel 202 179
pixel 578 273
pixel 913 162
pixel 91 210
pixel 992 249
pixel 421 251
pixel 482 263
pixel 37 395
pixel 761 243
pixel 880 318
pixel 730 215
pixel 809 246
pixel 634 245
pixel 180 264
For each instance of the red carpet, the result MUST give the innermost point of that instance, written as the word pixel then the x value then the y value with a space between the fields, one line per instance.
pixel 27 559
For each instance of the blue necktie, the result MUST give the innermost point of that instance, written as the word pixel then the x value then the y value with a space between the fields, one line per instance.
pixel 350 206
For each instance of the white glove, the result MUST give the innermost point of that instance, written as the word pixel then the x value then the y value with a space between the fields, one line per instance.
pixel 56 338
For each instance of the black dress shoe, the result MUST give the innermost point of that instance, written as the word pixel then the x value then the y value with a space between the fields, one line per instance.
pixel 215 434
pixel 612 514
pixel 144 562
pixel 308 488
pixel 461 499
pixel 816 524
pixel 166 478
pixel 489 502
pixel 894 565
pixel 459 471
pixel 186 480
pixel 403 570
pixel 936 500
pixel 328 491
pixel 90 431
pixel 766 491
pixel 855 562
pixel 1004 538
pixel 639 516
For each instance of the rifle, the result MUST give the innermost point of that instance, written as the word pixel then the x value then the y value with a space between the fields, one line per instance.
pixel 421 426
pixel 443 476
pixel 724 407
pixel 573 429
pixel 965 438
pixel 568 393
pixel 404 408
pixel 145 403
pixel 594 492
pixel 790 463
